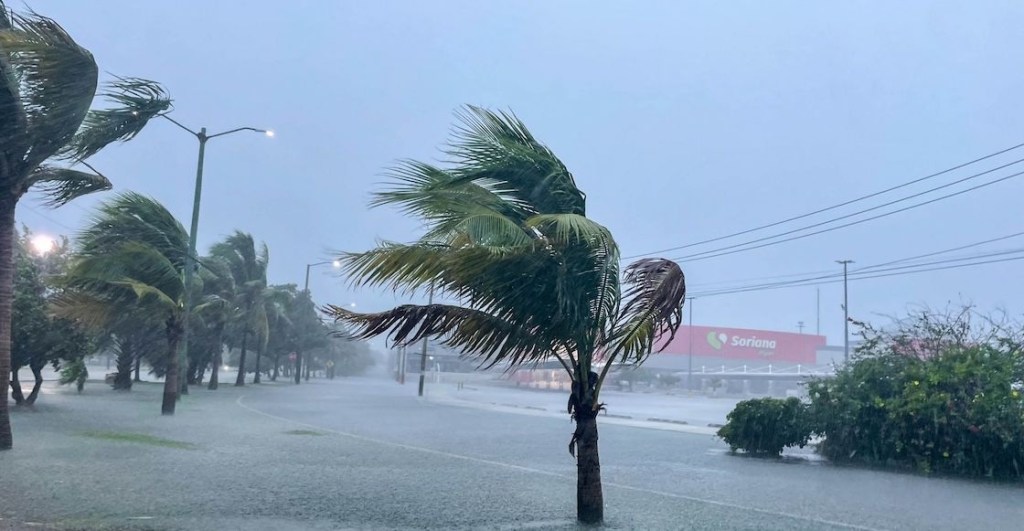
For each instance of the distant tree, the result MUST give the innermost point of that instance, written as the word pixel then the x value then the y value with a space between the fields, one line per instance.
pixel 133 336
pixel 214 310
pixel 48 83
pixel 281 340
pixel 309 334
pixel 248 268
pixel 132 256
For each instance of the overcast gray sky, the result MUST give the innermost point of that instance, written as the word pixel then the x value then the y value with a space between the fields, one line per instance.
pixel 682 121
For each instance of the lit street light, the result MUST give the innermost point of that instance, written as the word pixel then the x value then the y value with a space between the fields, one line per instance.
pixel 43 244
pixel 190 262
pixel 334 263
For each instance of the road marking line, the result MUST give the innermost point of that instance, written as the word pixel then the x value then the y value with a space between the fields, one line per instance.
pixel 548 473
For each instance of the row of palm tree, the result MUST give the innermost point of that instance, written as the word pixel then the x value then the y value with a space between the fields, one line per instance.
pixel 127 282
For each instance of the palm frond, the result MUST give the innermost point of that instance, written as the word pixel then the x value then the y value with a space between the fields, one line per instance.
pixel 134 217
pixel 90 309
pixel 498 147
pixel 55 80
pixel 394 266
pixel 567 229
pixel 467 330
pixel 654 308
pixel 61 185
pixel 133 272
pixel 134 102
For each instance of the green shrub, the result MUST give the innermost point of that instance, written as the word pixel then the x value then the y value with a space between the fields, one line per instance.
pixel 764 426
pixel 936 396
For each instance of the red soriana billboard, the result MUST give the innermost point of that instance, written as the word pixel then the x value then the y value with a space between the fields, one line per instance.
pixel 743 344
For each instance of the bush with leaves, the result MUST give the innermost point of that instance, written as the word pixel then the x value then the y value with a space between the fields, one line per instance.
pixel 75 372
pixel 937 393
pixel 764 426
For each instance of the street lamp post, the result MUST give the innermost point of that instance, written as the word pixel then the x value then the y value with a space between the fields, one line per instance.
pixel 305 291
pixel 190 261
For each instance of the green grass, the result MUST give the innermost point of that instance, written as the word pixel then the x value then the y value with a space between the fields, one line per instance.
pixel 303 432
pixel 138 438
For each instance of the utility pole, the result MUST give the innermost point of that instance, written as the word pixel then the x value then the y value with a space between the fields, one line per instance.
pixel 800 326
pixel 846 311
pixel 817 312
pixel 423 356
pixel 689 358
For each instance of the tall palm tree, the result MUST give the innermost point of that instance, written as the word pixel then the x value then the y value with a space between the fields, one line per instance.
pixel 282 337
pixel 276 304
pixel 133 254
pixel 215 309
pixel 508 238
pixel 248 267
pixel 47 85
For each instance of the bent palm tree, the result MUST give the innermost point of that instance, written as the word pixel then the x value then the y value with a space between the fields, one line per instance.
pixel 508 237
pixel 47 84
pixel 248 268
pixel 133 255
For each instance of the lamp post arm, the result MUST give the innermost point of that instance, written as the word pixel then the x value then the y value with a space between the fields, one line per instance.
pixel 179 124
pixel 237 129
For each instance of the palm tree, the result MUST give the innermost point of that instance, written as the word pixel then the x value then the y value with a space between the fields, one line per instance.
pixel 47 84
pixel 508 238
pixel 248 268
pixel 132 255
pixel 276 303
pixel 215 310
pixel 281 337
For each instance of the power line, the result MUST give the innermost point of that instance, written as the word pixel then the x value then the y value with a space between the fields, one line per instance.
pixel 862 272
pixel 739 283
pixel 48 218
pixel 944 251
pixel 879 274
pixel 705 285
pixel 833 207
pixel 705 256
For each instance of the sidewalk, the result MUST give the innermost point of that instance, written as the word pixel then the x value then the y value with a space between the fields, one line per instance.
pixel 631 408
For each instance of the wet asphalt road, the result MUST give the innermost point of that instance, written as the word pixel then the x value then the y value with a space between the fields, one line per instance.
pixel 379 458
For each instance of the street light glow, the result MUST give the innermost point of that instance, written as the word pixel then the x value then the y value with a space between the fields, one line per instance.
pixel 43 244
pixel 269 133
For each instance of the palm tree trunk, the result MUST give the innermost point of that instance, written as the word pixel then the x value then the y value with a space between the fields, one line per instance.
pixel 123 380
pixel 192 371
pixel 240 380
pixel 277 363
pixel 37 372
pixel 589 496
pixel 215 369
pixel 138 367
pixel 171 387
pixel 298 366
pixel 16 393
pixel 7 204
pixel 259 354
